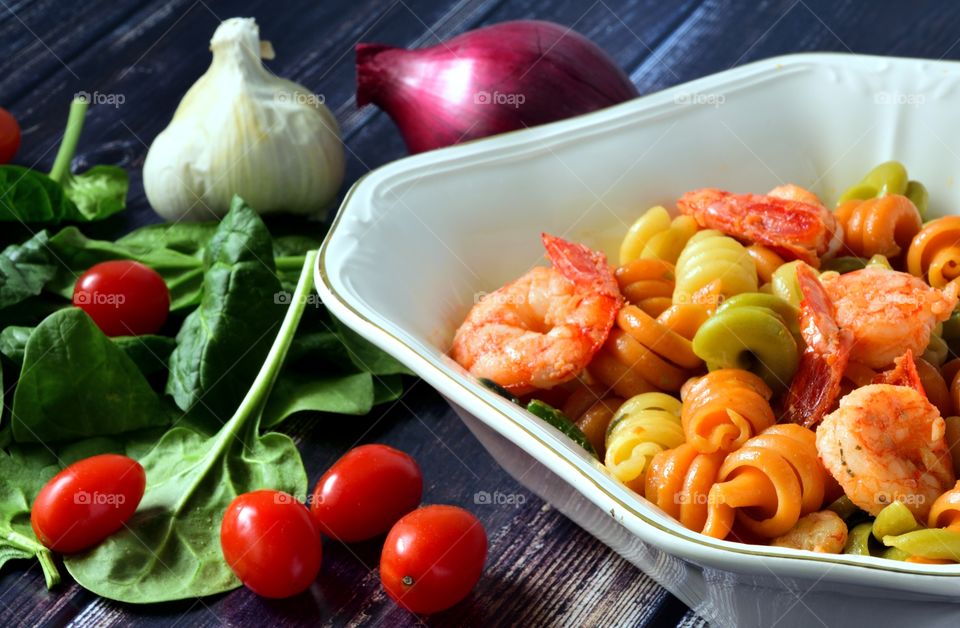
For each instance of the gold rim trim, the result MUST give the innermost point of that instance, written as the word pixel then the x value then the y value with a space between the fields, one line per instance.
pixel 699 539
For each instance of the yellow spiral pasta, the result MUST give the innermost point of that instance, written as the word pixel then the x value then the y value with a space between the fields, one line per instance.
pixel 945 512
pixel 884 225
pixel 642 355
pixel 647 283
pixel 724 408
pixel 934 253
pixel 656 236
pixel 714 261
pixel 643 426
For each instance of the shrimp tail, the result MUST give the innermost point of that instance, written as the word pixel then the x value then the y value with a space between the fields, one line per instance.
pixel 581 265
pixel 794 229
pixel 904 373
pixel 816 385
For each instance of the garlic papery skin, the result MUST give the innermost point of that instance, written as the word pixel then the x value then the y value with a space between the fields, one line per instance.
pixel 241 130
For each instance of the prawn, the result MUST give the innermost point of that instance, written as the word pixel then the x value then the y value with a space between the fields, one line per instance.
pixel 887 311
pixel 887 443
pixel 816 385
pixel 542 329
pixel 789 220
pixel 822 531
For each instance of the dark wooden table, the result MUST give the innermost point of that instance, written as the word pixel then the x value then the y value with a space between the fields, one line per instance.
pixel 542 569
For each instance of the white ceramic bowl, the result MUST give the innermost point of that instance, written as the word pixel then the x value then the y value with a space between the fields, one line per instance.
pixel 416 241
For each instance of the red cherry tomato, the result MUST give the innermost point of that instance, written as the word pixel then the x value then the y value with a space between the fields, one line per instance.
pixel 365 492
pixel 9 136
pixel 123 297
pixel 87 502
pixel 271 542
pixel 432 558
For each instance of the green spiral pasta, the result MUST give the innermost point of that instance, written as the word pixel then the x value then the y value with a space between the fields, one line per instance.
pixel 755 332
pixel 935 543
pixel 893 520
pixel 937 349
pixel 784 283
pixel 644 425
pixel 858 540
pixel 890 177
pixel 655 235
pixel 708 257
pixel 843 265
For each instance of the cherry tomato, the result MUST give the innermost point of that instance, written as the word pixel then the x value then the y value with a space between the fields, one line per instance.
pixel 87 502
pixel 432 558
pixel 365 492
pixel 123 297
pixel 9 136
pixel 271 542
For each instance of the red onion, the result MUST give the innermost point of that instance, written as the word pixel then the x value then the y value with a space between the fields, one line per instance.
pixel 499 78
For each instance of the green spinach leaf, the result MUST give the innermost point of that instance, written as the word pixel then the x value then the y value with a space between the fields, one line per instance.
pixel 25 269
pixel 95 194
pixel 13 342
pixel 387 388
pixel 224 340
pixel 76 383
pixel 341 394
pixel 28 196
pixel 182 272
pixel 149 352
pixel 170 549
pixel 366 356
pixel 23 472
pixel 190 238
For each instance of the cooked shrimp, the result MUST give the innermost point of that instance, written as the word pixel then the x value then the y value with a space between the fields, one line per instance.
pixel 816 385
pixel 790 220
pixel 887 311
pixel 886 443
pixel 542 329
pixel 822 531
pixel 834 236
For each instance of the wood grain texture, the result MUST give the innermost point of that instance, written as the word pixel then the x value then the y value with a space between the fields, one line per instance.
pixel 542 569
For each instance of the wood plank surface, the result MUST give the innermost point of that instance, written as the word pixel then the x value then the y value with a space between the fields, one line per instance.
pixel 542 569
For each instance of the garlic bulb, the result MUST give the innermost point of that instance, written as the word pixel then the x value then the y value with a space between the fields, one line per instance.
pixel 242 130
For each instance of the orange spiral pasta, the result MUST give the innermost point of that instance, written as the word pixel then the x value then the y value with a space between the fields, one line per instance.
pixel 884 225
pixel 934 253
pixel 642 355
pixel 684 318
pixel 945 512
pixel 594 420
pixel 647 283
pixel 765 260
pixel 679 482
pixel 767 484
pixel 724 408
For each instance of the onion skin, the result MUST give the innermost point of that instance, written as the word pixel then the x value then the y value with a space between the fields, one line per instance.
pixel 500 78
